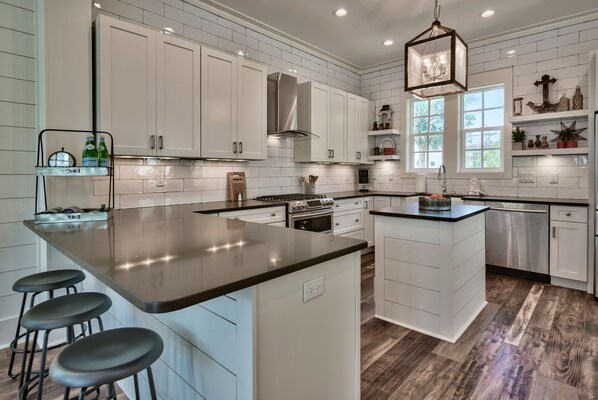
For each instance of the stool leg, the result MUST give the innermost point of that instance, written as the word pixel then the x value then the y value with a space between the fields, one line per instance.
pixel 82 394
pixel 90 328
pixel 100 324
pixel 15 342
pixel 136 380
pixel 150 379
pixel 24 360
pixel 42 367
pixel 30 365
pixel 67 393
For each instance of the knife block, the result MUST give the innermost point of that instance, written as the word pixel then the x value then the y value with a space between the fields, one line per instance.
pixel 236 185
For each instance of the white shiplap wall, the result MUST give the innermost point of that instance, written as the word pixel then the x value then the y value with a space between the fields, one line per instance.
pixel 560 51
pixel 18 121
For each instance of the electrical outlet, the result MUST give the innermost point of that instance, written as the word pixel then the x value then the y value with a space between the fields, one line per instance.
pixel 313 288
pixel 160 178
pixel 554 178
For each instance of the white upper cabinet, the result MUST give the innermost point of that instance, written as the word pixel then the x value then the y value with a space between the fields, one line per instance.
pixel 126 82
pixel 178 97
pixel 252 81
pixel 148 90
pixel 218 104
pixel 357 129
pixel 313 115
pixel 233 107
pixel 337 133
pixel 340 119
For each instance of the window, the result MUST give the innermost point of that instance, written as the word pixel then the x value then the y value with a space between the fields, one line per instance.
pixel 427 131
pixel 482 120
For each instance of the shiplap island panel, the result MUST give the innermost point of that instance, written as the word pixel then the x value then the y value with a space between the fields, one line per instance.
pixel 430 268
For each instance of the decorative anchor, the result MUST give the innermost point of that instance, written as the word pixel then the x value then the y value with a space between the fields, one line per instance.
pixel 546 106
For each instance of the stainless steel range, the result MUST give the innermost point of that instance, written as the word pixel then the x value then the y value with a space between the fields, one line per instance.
pixel 308 212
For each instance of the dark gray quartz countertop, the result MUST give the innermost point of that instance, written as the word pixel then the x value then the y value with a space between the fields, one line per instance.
pixel 352 194
pixel 534 200
pixel 458 212
pixel 222 206
pixel 166 258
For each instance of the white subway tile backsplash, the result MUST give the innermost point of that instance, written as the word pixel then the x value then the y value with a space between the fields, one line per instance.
pixel 200 36
pixel 181 16
pixel 218 30
pixel 141 200
pixel 538 56
pixel 160 22
pixel 187 7
pixel 559 41
pixel 154 6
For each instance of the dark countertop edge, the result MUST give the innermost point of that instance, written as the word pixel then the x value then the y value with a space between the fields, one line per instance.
pixel 351 195
pixel 237 207
pixel 158 307
pixel 532 200
pixel 429 217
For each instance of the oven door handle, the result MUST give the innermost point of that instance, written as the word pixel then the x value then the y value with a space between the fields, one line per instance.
pixel 311 215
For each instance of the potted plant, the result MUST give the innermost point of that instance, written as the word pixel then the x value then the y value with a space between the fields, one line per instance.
pixel 518 137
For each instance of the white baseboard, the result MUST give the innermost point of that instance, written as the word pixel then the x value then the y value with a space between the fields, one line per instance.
pixel 7 331
pixel 568 283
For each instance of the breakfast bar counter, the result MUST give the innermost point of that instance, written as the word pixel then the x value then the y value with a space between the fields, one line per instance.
pixel 232 300
pixel 430 268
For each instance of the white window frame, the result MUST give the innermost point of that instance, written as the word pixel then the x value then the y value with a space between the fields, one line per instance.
pixel 481 129
pixel 412 135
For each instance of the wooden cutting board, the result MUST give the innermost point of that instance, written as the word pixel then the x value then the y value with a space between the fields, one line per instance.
pixel 236 185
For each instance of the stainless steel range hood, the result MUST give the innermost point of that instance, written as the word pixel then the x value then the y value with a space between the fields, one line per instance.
pixel 282 107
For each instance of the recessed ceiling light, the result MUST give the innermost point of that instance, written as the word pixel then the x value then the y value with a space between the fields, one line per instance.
pixel 487 14
pixel 341 12
pixel 97 5
pixel 388 42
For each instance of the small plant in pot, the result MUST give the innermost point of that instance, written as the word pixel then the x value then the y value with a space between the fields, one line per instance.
pixel 568 136
pixel 518 137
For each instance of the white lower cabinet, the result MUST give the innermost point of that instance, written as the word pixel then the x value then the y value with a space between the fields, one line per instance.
pixel 569 243
pixel 270 215
pixel 381 202
pixel 348 217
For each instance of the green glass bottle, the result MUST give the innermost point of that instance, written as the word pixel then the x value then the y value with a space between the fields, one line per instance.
pixel 103 156
pixel 90 153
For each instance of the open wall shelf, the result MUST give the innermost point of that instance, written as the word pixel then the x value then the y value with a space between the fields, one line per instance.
pixel 550 117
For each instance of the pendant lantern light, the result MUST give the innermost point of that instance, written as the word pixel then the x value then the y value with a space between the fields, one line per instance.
pixel 436 61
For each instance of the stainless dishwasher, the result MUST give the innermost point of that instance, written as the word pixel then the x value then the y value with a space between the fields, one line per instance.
pixel 517 239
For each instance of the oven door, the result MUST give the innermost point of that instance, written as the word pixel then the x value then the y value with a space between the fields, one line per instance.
pixel 317 221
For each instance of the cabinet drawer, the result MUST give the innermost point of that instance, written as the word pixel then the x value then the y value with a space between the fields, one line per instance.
pixel 348 204
pixel 258 215
pixel 568 213
pixel 348 222
pixel 353 235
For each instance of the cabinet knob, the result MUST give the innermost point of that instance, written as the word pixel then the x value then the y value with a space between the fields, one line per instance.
pixel 337 224
pixel 337 206
pixel 568 214
pixel 356 220
pixel 273 215
pixel 356 203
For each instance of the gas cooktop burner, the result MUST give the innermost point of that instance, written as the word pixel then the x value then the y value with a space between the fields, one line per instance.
pixel 291 197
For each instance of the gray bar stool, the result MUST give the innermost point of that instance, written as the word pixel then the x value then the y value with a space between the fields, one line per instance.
pixel 105 358
pixel 35 284
pixel 60 312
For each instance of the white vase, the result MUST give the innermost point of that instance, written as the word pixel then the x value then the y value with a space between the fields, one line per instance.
pixel 517 145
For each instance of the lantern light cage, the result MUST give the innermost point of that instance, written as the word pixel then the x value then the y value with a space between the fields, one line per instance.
pixel 436 61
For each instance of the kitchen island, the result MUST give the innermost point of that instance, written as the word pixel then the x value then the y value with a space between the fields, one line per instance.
pixel 430 268
pixel 227 297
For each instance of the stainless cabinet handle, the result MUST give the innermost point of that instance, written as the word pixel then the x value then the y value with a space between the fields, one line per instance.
pixel 365 205
pixel 356 203
pixel 333 153
pixel 330 154
pixel 153 141
pixel 160 142
pixel 358 155
pixel 235 147
pixel 240 147
pixel 337 206
pixel 523 210
pixel 554 231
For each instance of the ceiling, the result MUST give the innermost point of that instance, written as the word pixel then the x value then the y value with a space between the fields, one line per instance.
pixel 356 38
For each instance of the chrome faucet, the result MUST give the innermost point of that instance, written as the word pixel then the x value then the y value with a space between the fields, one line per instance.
pixel 442 177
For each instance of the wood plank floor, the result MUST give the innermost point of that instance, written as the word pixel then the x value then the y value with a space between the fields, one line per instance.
pixel 532 341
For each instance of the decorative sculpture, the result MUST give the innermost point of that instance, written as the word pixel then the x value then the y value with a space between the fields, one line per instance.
pixel 546 105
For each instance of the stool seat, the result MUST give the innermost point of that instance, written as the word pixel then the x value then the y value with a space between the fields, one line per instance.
pixel 65 311
pixel 106 357
pixel 49 280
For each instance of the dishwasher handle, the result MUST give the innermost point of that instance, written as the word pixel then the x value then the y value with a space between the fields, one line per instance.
pixel 523 210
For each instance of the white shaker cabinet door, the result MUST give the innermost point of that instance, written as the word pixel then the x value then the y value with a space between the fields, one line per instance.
pixel 126 63
pixel 313 116
pixel 338 125
pixel 569 250
pixel 362 126
pixel 218 104
pixel 178 97
pixel 252 137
